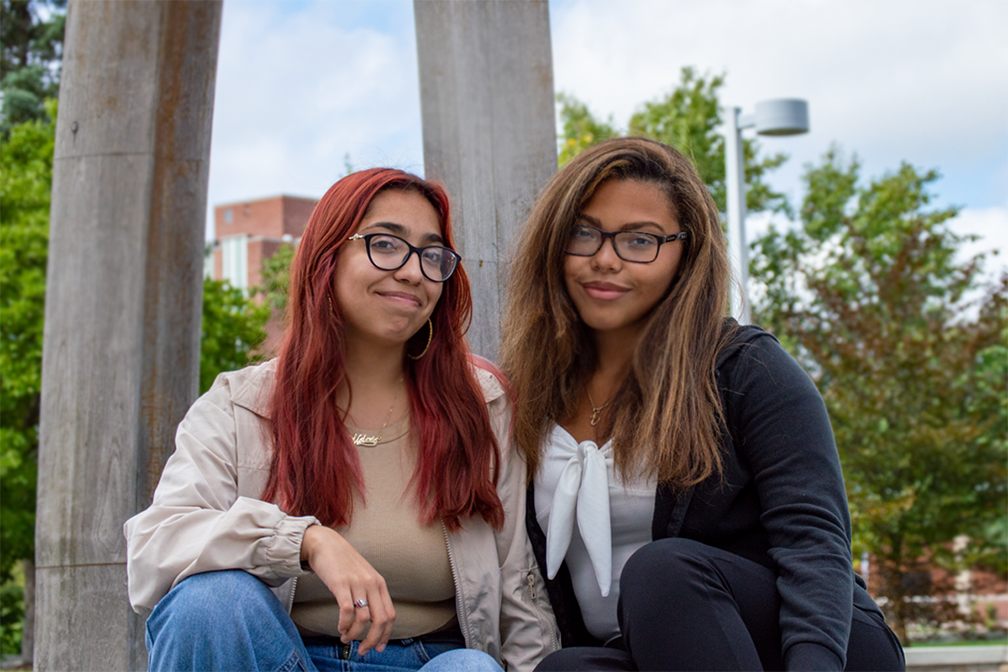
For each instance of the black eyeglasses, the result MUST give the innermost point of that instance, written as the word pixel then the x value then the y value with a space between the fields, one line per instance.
pixel 389 253
pixel 639 247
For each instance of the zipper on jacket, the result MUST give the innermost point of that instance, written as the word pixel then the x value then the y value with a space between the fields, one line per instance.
pixel 290 600
pixel 540 614
pixel 463 616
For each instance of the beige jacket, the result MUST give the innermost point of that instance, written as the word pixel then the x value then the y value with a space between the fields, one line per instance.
pixel 207 515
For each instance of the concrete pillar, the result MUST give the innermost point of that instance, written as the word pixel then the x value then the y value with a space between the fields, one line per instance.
pixel 489 130
pixel 122 325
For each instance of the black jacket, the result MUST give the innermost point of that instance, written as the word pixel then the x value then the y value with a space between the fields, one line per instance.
pixel 781 503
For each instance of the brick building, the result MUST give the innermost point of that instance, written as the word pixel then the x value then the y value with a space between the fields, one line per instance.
pixel 249 232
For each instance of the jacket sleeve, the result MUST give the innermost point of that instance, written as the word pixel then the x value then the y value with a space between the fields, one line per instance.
pixel 781 428
pixel 528 628
pixel 198 523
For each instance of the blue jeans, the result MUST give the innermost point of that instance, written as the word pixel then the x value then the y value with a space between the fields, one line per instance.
pixel 230 620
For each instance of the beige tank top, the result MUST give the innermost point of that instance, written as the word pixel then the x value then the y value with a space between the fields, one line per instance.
pixel 386 530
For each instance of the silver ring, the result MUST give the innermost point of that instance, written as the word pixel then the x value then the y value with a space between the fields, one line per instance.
pixel 361 603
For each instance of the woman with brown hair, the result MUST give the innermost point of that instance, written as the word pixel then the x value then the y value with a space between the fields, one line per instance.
pixel 365 474
pixel 686 503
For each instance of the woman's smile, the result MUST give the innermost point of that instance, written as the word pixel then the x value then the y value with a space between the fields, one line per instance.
pixel 402 298
pixel 604 291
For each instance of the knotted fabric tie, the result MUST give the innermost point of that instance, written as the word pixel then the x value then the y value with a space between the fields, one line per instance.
pixel 582 493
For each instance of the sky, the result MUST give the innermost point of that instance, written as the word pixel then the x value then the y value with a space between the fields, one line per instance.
pixel 306 87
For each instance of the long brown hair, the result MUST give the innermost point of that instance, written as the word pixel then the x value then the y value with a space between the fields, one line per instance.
pixel 315 466
pixel 665 419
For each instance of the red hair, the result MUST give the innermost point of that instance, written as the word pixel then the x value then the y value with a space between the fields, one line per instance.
pixel 315 467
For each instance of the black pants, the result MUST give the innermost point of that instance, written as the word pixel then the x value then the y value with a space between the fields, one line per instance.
pixel 687 606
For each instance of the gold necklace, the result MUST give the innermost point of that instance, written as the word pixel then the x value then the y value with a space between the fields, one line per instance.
pixel 596 410
pixel 362 439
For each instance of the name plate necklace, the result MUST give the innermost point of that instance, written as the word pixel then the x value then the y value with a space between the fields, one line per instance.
pixel 596 410
pixel 362 439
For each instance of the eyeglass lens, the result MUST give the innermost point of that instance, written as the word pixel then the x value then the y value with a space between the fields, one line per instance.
pixel 636 246
pixel 391 252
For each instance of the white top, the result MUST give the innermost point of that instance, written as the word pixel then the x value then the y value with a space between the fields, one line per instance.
pixel 577 482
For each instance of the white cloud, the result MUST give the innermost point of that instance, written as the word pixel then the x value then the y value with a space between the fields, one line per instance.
pixel 296 92
pixel 861 57
pixel 990 225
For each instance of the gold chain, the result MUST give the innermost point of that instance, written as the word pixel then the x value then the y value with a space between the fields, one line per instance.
pixel 596 410
pixel 362 439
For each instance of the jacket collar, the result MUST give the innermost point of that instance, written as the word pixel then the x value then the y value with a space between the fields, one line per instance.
pixel 251 387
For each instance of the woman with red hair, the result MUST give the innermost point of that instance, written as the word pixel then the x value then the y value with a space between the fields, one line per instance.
pixel 365 474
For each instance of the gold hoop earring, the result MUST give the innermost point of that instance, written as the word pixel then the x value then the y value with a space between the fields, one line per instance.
pixel 430 336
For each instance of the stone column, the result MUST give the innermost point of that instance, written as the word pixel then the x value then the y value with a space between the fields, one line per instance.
pixel 124 290
pixel 489 131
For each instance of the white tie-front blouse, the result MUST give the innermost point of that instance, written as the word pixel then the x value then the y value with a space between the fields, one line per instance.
pixel 577 483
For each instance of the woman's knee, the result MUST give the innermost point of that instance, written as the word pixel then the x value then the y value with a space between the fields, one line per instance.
pixel 666 562
pixel 872 645
pixel 223 620
pixel 462 660
pixel 210 601
pixel 582 658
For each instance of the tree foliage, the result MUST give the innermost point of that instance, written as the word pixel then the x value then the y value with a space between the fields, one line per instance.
pixel 233 326
pixel 25 183
pixel 275 278
pixel 687 119
pixel 31 32
pixel 580 129
pixel 908 351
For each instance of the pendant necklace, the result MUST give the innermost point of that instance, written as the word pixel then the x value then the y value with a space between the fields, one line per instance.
pixel 362 439
pixel 596 410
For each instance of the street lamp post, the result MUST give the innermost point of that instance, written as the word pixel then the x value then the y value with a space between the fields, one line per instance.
pixel 783 116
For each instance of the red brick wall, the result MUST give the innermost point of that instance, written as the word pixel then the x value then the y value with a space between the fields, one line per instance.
pixel 296 212
pixel 267 217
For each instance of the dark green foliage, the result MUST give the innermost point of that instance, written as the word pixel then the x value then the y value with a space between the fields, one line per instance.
pixel 11 617
pixel 32 37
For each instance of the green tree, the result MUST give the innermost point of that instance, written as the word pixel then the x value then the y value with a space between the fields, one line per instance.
pixel 233 325
pixel 911 365
pixel 31 32
pixel 580 129
pixel 25 184
pixel 687 119
pixel 275 275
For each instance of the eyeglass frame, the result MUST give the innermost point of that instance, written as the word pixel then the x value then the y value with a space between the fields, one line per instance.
pixel 604 235
pixel 367 237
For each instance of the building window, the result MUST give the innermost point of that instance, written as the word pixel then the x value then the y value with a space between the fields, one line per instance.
pixel 234 255
pixel 228 216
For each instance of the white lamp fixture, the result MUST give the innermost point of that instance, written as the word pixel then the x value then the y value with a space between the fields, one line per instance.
pixel 782 116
